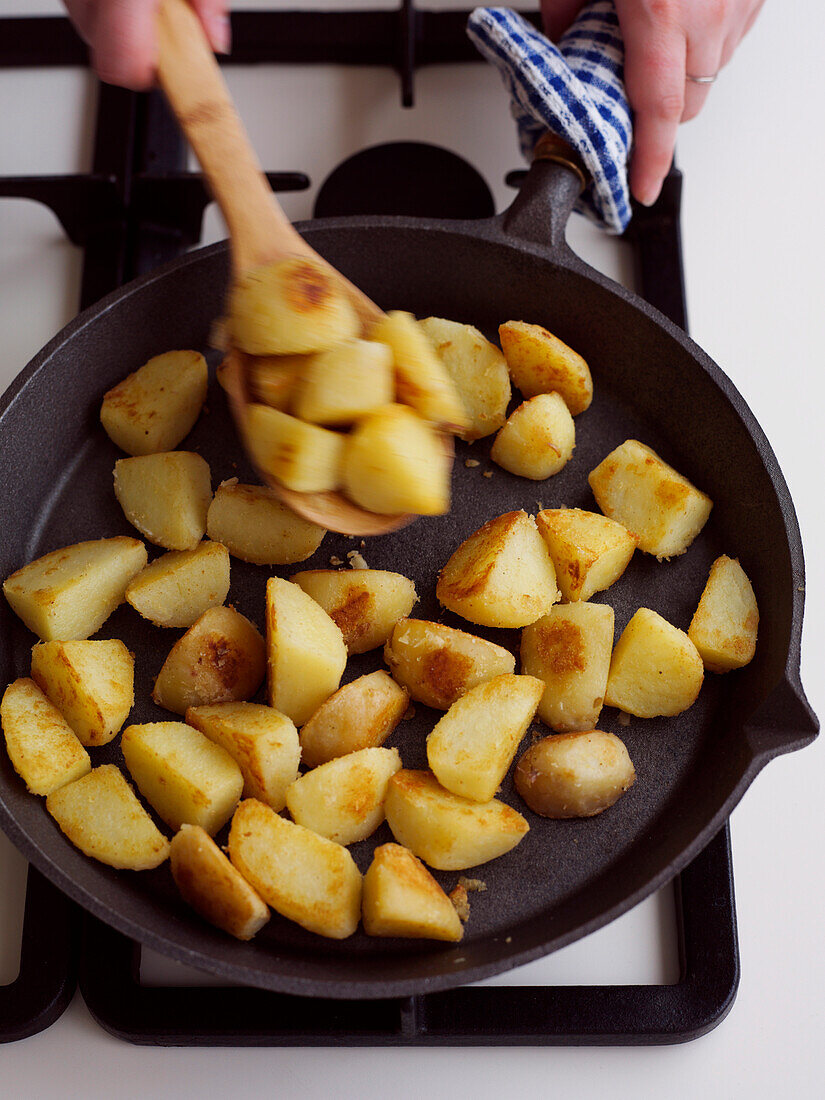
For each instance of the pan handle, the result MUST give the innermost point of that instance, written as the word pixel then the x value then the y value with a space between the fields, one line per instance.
pixel 545 201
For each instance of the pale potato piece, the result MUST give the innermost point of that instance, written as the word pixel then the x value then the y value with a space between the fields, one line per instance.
pixel 303 876
pixel 421 379
pixel 306 654
pixel 589 551
pixel 472 746
pixel 42 746
pixel 103 817
pixel 655 503
pixel 179 586
pixel 343 800
pixel 360 715
pixel 185 777
pixel 569 650
pixel 574 774
pixel 91 684
pixel 272 379
pixel 166 496
pixel 220 659
pixel 438 664
pixel 540 363
pixel 478 370
pixel 300 456
pixel 262 742
pixel 254 526
pixel 292 305
pixel 153 409
pixel 70 593
pixel 212 886
pixel 365 603
pixel 394 462
pixel 502 575
pixel 725 623
pixel 538 438
pixel 339 386
pixel 401 898
pixel 449 832
pixel 655 669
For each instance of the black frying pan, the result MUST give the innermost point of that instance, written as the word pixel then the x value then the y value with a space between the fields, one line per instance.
pixel 566 878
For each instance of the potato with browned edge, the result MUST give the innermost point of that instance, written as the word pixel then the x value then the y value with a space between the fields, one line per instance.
pixel 401 898
pixel 538 439
pixel 338 386
pixel 365 603
pixel 655 669
pixel 574 774
pixel 725 623
pixel 360 715
pixel 540 363
pixel 301 456
pixel 180 585
pixel 90 682
pixel 589 550
pixel 254 526
pixel 43 748
pixel 166 496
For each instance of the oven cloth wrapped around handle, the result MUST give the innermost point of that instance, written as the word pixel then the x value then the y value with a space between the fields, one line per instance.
pixel 575 89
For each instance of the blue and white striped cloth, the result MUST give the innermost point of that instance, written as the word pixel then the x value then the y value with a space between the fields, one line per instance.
pixel 575 89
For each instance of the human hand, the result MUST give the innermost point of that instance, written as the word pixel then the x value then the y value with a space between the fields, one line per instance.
pixel 121 35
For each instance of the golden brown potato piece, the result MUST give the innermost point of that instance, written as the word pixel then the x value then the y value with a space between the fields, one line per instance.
pixel 589 551
pixel 538 438
pixel 178 587
pixel 166 496
pixel 339 386
pixel 70 593
pixel 365 603
pixel 212 886
pixel 292 305
pixel 502 575
pixel 153 409
pixel 654 502
pixel 254 526
pixel 421 379
pixel 726 621
pixel 394 462
pixel 446 831
pixel 478 370
pixel 655 669
pixel 569 650
pixel 306 654
pixel 273 379
pixel 220 659
pixel 42 746
pixel 303 876
pixel 574 774
pixel 540 363
pixel 103 817
pixel 401 898
pixel 360 715
pixel 438 664
pixel 300 456
pixel 262 742
pixel 343 800
pixel 185 777
pixel 471 748
pixel 90 683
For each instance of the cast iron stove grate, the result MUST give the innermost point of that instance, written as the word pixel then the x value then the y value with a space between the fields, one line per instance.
pixel 137 208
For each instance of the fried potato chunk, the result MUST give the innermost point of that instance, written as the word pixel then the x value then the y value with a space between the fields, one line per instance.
pixel 339 386
pixel 401 898
pixel 43 748
pixel 569 650
pixel 153 409
pixel 185 777
pixel 274 378
pixel 300 456
pixel 574 774
pixel 303 876
pixel 179 586
pixel 166 496
pixel 655 669
pixel 725 624
pixel 655 503
pixel 360 715
pixel 473 745
pixel 538 438
pixel 212 886
pixel 220 659
pixel 449 832
pixel 254 526
pixel 90 683
pixel 365 603
pixel 502 575
pixel 70 593
pixel 103 817
pixel 539 362
pixel 589 551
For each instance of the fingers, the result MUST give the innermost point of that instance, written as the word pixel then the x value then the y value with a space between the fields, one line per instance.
pixel 215 19
pixel 704 58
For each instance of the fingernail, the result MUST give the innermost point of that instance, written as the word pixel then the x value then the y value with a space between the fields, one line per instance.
pixel 648 197
pixel 220 33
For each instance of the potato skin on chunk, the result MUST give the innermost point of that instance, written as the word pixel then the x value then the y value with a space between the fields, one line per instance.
pixel 574 774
